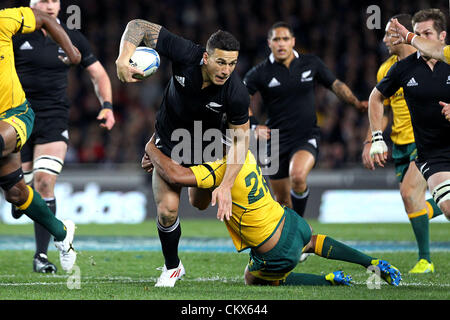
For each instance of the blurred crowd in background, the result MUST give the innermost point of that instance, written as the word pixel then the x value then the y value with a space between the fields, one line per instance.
pixel 334 30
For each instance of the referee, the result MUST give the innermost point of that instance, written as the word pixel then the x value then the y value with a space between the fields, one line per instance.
pixel 425 83
pixel 44 78
pixel 286 81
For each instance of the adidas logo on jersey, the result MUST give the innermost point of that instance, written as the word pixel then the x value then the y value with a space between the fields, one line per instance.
pixel 412 82
pixel 448 80
pixel 274 83
pixel 306 76
pixel 26 46
pixel 180 80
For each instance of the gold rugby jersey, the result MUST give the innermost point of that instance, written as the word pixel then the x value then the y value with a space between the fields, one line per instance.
pixel 256 214
pixel 447 54
pixel 402 131
pixel 12 21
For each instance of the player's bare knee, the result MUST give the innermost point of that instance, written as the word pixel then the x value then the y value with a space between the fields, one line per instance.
pixel 298 181
pixel 167 216
pixel 17 194
pixel 44 184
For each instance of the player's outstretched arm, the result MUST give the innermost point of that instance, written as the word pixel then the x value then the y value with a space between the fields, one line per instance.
pixel 169 170
pixel 137 30
pixel 430 48
pixel 235 160
pixel 345 94
pixel 378 150
pixel 47 22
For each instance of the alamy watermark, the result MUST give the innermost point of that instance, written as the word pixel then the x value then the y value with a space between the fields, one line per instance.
pixel 198 146
pixel 74 17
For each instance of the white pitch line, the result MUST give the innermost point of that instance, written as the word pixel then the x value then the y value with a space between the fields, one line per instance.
pixel 125 280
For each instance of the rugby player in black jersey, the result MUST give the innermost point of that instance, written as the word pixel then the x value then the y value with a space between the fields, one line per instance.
pixel 425 82
pixel 203 89
pixel 286 81
pixel 44 78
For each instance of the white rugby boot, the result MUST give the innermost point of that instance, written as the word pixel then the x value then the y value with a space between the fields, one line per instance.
pixel 67 254
pixel 168 277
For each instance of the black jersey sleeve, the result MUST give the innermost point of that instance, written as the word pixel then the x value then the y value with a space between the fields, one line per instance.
pixel 238 101
pixel 82 44
pixel 324 75
pixel 390 83
pixel 178 49
pixel 251 80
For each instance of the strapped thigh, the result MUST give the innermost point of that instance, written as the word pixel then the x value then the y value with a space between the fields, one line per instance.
pixel 48 164
pixel 441 192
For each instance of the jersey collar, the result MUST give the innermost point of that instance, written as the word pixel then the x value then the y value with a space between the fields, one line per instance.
pixel 272 57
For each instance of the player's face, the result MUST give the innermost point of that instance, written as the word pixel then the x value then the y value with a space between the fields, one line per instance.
pixel 426 29
pixel 281 43
pixel 219 65
pixel 51 7
pixel 388 39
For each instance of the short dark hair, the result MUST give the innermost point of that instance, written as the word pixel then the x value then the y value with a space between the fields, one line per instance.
pixel 280 24
pixel 438 17
pixel 405 20
pixel 222 40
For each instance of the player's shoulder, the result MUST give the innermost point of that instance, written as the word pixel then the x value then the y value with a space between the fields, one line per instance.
pixel 386 65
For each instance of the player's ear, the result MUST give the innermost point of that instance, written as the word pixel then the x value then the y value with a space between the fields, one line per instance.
pixel 205 57
pixel 442 36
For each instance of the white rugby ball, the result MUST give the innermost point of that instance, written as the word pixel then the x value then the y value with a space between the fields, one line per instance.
pixel 145 59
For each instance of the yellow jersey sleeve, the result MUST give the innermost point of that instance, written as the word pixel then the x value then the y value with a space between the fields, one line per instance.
pixel 209 175
pixel 447 54
pixel 16 20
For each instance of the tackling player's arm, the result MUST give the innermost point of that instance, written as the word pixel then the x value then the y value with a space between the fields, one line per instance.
pixel 170 171
pixel 137 30
pixel 47 22
pixel 378 150
pixel 344 93
pixel 235 160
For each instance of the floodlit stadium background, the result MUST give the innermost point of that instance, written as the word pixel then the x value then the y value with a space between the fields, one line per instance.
pixel 102 181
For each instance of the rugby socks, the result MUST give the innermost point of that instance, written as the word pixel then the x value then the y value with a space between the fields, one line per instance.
pixel 299 201
pixel 421 227
pixel 305 279
pixel 41 234
pixel 433 209
pixel 329 248
pixel 170 237
pixel 38 211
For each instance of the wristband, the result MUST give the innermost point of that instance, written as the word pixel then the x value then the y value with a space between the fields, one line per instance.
pixel 366 142
pixel 377 136
pixel 410 37
pixel 107 105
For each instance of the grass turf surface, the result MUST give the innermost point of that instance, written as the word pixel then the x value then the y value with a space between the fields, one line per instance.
pixel 111 275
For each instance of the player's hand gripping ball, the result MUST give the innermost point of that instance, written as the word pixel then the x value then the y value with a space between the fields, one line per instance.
pixel 145 59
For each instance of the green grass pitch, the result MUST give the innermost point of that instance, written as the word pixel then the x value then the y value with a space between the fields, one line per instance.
pixel 123 275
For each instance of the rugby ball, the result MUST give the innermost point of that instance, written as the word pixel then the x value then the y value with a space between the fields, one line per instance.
pixel 145 59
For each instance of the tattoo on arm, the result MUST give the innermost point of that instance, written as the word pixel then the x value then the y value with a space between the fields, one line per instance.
pixel 140 30
pixel 344 92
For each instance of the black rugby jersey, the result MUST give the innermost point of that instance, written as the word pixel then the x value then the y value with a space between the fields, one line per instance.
pixel 43 75
pixel 423 89
pixel 288 94
pixel 185 102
